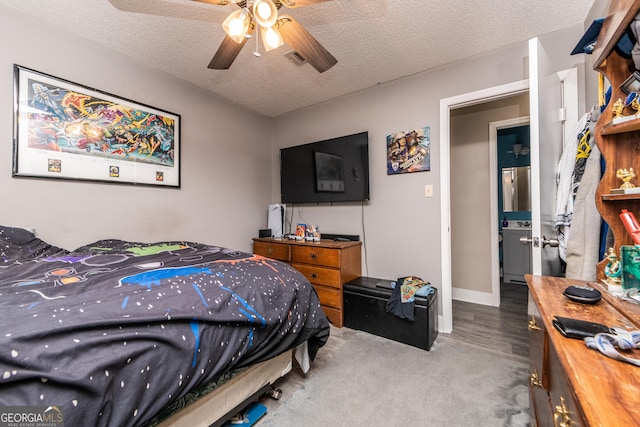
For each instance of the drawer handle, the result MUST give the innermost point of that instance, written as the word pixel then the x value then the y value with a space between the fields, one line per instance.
pixel 314 255
pixel 533 326
pixel 534 379
pixel 314 275
pixel 561 411
pixel 269 251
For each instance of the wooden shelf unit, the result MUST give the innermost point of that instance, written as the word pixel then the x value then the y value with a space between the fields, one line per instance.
pixel 619 144
pixel 614 129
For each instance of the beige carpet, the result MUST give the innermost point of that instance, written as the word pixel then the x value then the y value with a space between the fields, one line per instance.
pixel 359 379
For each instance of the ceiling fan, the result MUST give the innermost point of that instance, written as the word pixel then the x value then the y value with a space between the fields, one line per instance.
pixel 275 30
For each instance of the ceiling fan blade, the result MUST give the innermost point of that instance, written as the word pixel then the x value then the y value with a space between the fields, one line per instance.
pixel 305 44
pixel 217 2
pixel 227 52
pixel 299 3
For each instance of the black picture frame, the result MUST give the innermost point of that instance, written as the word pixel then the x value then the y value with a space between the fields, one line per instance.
pixel 632 84
pixel 65 130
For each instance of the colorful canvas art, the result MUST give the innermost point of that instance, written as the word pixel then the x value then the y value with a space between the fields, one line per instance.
pixel 409 151
pixel 65 130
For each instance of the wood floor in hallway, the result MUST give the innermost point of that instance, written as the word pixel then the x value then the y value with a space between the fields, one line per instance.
pixel 501 329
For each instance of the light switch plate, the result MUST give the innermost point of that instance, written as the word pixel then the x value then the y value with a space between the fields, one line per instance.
pixel 428 190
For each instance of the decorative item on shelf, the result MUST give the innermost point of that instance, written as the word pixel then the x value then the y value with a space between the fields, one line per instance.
pixel 617 108
pixel 613 271
pixel 300 231
pixel 626 175
pixel 630 266
pixel 632 84
pixel 628 110
pixel 632 101
pixel 631 225
pixel 312 233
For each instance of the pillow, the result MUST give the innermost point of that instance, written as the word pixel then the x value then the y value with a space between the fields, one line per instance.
pixel 20 244
pixel 18 236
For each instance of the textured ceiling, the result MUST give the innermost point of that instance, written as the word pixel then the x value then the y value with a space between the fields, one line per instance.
pixel 375 41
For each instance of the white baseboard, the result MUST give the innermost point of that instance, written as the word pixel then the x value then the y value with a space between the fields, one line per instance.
pixel 466 295
pixel 475 297
pixel 441 326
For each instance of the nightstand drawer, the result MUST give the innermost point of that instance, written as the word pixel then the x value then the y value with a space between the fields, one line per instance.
pixel 314 255
pixel 319 275
pixel 279 251
pixel 329 297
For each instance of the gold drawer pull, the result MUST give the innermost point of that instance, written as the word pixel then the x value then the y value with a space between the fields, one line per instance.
pixel 561 411
pixel 313 255
pixel 533 326
pixel 269 251
pixel 534 379
pixel 314 275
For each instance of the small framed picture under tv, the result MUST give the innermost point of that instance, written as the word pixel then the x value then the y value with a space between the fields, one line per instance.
pixel 329 176
pixel 331 170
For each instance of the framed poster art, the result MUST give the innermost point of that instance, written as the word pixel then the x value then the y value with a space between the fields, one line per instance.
pixel 409 151
pixel 66 130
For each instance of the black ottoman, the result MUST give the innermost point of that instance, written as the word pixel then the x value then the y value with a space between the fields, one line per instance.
pixel 365 301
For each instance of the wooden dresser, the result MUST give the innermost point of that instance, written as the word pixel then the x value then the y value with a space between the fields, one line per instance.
pixel 328 265
pixel 569 383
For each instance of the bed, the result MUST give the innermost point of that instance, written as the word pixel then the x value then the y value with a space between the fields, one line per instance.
pixel 115 332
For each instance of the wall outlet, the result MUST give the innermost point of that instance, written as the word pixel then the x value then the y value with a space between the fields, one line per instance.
pixel 428 190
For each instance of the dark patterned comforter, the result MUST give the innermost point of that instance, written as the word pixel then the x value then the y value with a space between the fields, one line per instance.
pixel 114 331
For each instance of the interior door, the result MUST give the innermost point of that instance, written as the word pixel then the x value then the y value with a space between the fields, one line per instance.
pixel 546 112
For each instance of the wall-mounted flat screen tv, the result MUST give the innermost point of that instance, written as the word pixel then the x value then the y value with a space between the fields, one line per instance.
pixel 332 170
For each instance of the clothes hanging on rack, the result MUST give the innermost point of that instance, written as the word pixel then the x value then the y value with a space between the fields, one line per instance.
pixel 567 183
pixel 583 246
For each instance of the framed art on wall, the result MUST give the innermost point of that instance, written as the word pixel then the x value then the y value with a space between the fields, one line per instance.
pixel 66 130
pixel 409 151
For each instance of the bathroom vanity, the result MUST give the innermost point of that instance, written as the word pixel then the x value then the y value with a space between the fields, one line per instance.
pixel 516 257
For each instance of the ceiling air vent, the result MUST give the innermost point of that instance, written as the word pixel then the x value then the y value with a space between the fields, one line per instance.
pixel 295 57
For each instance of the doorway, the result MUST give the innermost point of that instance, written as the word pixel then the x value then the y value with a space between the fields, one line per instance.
pixel 475 223
pixel 569 77
pixel 517 125
pixel 446 106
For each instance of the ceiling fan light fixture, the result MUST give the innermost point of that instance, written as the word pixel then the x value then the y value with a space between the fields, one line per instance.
pixel 271 38
pixel 265 12
pixel 237 25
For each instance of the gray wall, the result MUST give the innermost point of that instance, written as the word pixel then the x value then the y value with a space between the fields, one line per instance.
pixel 402 226
pixel 225 154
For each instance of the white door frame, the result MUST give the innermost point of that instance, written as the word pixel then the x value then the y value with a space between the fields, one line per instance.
pixel 446 105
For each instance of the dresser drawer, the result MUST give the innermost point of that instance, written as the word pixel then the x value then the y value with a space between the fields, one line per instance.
pixel 329 296
pixel 563 405
pixel 317 256
pixel 319 275
pixel 279 251
pixel 538 348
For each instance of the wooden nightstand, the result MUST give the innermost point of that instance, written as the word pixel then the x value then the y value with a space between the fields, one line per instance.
pixel 328 265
